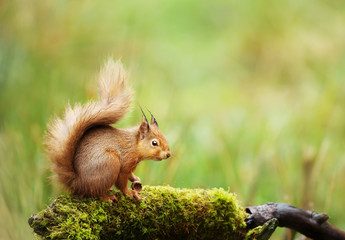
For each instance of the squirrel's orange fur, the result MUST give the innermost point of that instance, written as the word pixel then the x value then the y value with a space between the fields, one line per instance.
pixel 88 155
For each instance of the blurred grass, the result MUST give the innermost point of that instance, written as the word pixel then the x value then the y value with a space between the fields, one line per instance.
pixel 250 94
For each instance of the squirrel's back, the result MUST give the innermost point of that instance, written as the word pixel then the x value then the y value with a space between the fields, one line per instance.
pixel 64 133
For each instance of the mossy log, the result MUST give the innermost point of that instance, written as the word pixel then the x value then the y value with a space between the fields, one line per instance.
pixel 163 213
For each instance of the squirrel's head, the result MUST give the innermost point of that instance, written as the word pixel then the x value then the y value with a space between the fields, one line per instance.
pixel 152 144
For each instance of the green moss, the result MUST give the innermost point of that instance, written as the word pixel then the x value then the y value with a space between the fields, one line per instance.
pixel 164 212
pixel 253 232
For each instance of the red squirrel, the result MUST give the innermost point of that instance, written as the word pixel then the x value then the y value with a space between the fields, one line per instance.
pixel 89 156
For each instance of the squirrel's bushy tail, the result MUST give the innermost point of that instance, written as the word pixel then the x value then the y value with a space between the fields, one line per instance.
pixel 64 133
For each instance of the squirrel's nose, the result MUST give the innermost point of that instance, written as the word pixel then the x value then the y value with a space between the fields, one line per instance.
pixel 168 155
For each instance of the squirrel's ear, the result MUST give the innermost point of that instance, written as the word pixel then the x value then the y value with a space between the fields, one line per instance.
pixel 144 128
pixel 153 119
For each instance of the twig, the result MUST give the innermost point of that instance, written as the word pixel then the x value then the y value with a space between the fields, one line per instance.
pixel 308 223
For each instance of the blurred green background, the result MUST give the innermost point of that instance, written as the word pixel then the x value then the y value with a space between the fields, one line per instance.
pixel 250 94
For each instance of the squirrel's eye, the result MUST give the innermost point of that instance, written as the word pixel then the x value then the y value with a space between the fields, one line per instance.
pixel 154 143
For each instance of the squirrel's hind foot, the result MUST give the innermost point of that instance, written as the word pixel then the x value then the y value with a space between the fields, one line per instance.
pixel 110 197
pixel 135 194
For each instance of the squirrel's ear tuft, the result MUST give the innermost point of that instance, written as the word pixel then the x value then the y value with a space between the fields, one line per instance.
pixel 143 114
pixel 144 126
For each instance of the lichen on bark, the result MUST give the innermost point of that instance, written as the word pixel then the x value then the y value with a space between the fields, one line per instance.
pixel 163 213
